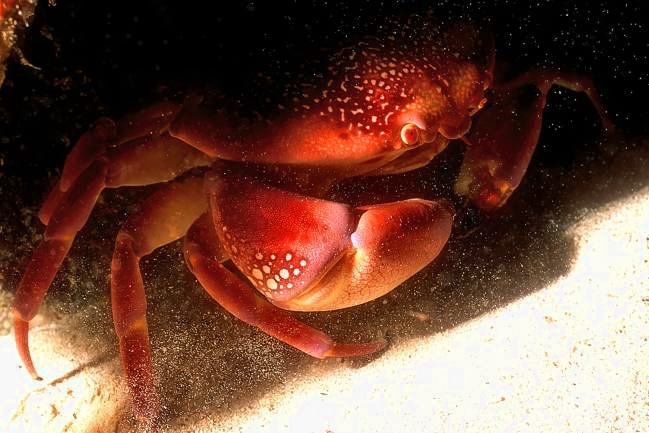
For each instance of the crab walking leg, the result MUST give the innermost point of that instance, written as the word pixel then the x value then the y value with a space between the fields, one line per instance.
pixel 544 79
pixel 144 161
pixel 162 218
pixel 46 260
pixel 238 298
pixel 138 149
pixel 105 132
pixel 497 156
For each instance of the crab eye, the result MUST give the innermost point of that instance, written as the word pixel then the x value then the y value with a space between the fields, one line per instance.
pixel 410 134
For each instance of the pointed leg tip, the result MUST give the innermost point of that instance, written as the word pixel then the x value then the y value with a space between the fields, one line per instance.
pixel 21 332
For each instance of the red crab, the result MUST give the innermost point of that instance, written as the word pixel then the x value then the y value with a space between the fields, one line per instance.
pixel 383 105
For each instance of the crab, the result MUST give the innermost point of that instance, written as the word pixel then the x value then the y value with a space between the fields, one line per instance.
pixel 251 189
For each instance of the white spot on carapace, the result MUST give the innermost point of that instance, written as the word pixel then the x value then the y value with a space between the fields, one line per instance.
pixel 271 284
pixel 283 273
pixel 296 272
pixel 289 286
pixel 288 257
pixel 266 269
pixel 302 262
pixel 259 256
pixel 273 256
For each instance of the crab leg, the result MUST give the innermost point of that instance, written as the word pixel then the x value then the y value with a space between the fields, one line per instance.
pixel 497 156
pixel 147 160
pixel 64 223
pixel 162 218
pixel 93 144
pixel 238 298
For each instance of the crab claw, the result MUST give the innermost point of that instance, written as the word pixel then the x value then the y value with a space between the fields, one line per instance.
pixel 498 154
pixel 309 254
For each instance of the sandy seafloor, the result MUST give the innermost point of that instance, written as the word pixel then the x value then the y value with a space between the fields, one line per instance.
pixel 541 330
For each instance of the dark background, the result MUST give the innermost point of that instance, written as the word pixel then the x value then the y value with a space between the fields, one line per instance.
pixel 107 58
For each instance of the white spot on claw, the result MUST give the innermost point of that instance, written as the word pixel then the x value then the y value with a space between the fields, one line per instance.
pixel 256 273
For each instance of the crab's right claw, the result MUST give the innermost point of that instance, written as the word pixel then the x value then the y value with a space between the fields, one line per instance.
pixel 503 137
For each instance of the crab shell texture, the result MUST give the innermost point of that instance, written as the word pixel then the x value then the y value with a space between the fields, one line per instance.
pixel 367 106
